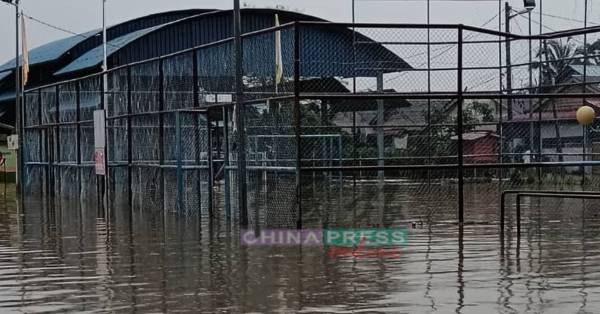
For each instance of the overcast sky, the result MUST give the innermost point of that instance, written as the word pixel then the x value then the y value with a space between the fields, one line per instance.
pixel 83 15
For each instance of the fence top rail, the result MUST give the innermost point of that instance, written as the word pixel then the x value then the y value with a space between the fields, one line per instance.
pixel 547 195
pixel 446 95
pixel 545 36
pixel 506 192
pixel 451 166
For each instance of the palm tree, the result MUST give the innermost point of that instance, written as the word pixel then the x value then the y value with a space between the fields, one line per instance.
pixel 593 51
pixel 558 57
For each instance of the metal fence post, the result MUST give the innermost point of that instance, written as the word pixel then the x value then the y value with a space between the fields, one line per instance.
pixel 57 167
pixel 129 147
pixel 197 141
pixel 297 122
pixel 20 125
pixel 210 167
pixel 161 134
pixel 195 87
pixel 540 108
pixel 227 200
pixel 78 136
pixel 239 115
pixel 459 115
pixel 179 172
pixel 41 141
pixel 518 205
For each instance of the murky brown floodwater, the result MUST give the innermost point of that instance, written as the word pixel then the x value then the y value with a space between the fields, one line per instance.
pixel 74 262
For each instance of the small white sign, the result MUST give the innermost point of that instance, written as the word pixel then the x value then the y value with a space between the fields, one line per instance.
pixel 224 98
pixel 12 142
pixel 99 129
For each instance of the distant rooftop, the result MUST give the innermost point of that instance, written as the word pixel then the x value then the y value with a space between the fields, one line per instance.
pixel 592 70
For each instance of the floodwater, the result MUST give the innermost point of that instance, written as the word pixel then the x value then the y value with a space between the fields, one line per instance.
pixel 72 261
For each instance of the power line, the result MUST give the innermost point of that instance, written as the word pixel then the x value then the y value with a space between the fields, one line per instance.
pixel 570 19
pixel 445 50
pixel 58 28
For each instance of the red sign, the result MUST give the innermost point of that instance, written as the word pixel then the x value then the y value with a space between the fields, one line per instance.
pixel 100 162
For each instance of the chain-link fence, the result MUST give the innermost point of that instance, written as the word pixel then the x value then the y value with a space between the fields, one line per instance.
pixel 158 146
pixel 334 124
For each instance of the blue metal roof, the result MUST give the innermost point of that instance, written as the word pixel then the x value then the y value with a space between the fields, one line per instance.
pixel 54 50
pixel 319 46
pixel 94 57
pixel 51 51
pixel 6 96
pixel 3 75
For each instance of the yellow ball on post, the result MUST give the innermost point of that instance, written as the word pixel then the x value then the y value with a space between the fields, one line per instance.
pixel 586 115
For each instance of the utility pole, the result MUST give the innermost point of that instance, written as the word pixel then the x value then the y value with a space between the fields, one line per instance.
pixel 529 6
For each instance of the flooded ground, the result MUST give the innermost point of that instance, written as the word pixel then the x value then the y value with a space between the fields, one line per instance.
pixel 72 261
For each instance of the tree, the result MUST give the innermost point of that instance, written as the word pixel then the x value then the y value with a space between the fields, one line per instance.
pixel 558 57
pixel 593 51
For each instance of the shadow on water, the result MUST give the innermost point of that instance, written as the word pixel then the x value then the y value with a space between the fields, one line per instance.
pixel 70 260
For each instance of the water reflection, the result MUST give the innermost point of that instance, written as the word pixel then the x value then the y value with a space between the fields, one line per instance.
pixel 67 259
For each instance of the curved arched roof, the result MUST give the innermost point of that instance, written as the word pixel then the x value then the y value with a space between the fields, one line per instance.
pixel 54 50
pixel 95 56
pixel 50 51
pixel 5 74
pixel 213 26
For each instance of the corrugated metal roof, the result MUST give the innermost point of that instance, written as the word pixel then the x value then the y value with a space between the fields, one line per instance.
pixel 320 45
pixel 94 57
pixel 51 51
pixel 6 96
pixel 592 70
pixel 3 75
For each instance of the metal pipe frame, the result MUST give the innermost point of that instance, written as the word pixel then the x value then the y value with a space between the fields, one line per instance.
pixel 454 166
pixel 555 194
pixel 544 192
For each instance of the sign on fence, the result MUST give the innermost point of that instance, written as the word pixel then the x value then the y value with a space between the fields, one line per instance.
pixel 100 160
pixel 100 142
pixel 12 142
